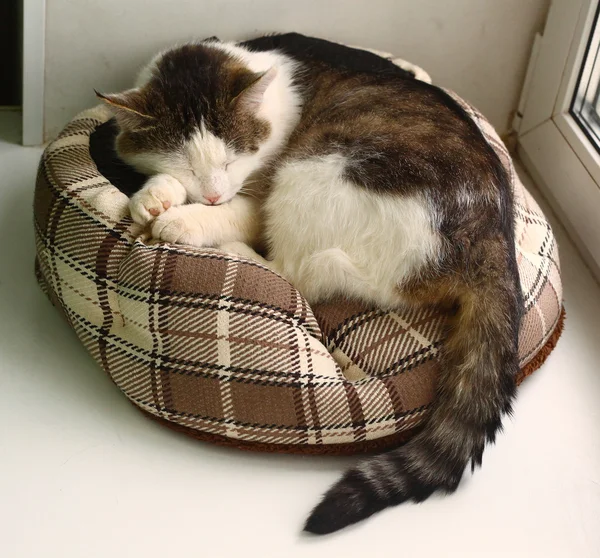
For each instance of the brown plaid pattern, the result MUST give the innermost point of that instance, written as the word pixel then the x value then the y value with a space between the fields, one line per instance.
pixel 219 344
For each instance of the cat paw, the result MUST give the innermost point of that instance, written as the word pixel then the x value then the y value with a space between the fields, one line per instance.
pixel 175 227
pixel 160 193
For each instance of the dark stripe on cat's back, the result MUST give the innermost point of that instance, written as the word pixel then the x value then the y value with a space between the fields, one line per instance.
pixel 312 50
pixel 395 133
pixel 406 137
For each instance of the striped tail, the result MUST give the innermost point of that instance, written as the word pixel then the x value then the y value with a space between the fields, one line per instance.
pixel 476 388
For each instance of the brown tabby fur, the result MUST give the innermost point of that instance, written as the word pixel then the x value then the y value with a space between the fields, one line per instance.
pixel 399 137
pixel 156 119
pixel 402 137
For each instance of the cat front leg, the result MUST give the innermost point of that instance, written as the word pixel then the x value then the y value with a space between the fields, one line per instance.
pixel 207 226
pixel 161 192
pixel 245 251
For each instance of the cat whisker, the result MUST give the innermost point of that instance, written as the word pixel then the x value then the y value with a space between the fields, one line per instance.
pixel 248 193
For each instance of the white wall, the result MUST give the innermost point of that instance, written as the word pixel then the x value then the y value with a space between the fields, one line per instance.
pixel 479 48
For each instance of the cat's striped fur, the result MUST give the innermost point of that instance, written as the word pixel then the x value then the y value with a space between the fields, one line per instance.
pixel 368 184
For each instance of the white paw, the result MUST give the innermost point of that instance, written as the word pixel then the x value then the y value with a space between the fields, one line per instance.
pixel 160 193
pixel 176 227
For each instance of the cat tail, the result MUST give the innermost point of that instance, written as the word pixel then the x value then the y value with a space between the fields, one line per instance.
pixel 479 363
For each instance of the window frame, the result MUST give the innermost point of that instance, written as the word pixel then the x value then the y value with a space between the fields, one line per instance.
pixel 552 145
pixel 34 60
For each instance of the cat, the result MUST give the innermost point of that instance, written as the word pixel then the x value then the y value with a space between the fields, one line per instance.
pixel 363 184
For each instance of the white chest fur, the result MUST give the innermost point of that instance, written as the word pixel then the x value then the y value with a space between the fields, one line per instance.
pixel 329 236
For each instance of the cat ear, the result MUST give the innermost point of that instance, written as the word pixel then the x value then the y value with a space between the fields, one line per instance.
pixel 252 90
pixel 128 107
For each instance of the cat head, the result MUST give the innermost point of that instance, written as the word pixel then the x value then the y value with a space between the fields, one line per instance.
pixel 198 118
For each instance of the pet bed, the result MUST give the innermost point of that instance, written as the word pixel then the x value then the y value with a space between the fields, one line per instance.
pixel 224 349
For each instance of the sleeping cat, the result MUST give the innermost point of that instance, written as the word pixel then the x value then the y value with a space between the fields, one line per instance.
pixel 362 184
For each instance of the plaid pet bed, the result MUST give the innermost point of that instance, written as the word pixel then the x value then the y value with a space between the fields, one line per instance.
pixel 222 347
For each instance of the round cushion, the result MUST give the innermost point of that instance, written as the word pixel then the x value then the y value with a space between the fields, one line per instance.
pixel 225 349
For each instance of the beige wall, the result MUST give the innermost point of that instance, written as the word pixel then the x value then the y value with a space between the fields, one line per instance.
pixel 479 48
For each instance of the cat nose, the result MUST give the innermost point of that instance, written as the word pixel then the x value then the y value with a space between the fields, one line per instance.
pixel 212 199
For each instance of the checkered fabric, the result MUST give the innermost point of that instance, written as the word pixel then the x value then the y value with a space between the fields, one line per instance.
pixel 222 345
